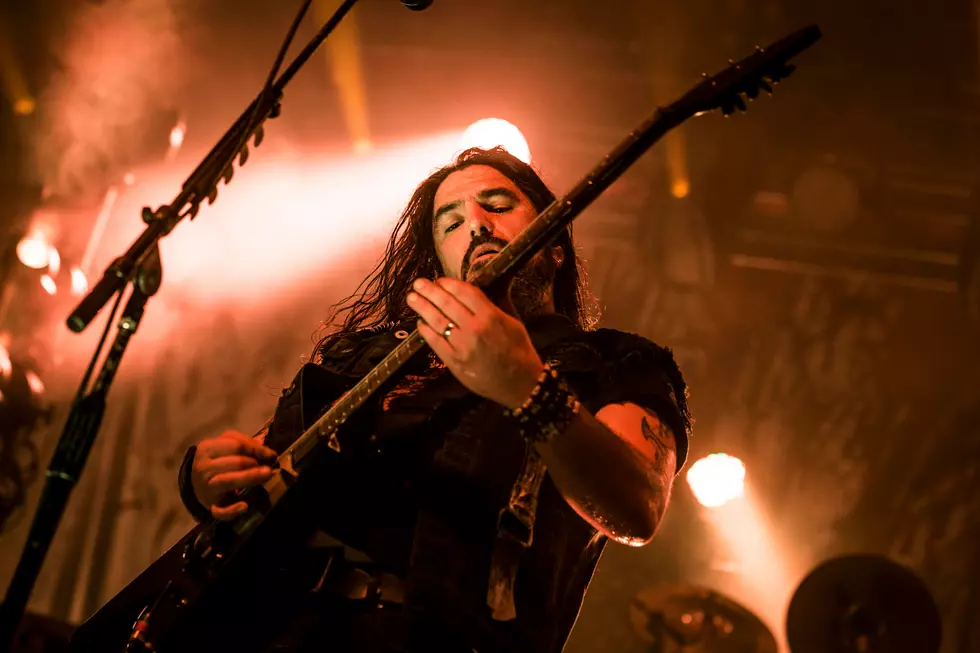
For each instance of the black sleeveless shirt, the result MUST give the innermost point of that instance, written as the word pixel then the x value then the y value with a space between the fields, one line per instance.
pixel 446 460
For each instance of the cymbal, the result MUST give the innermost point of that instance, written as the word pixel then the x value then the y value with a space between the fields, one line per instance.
pixel 691 618
pixel 862 604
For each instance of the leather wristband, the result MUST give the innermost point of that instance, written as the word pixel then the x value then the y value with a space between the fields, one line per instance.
pixel 549 409
pixel 186 489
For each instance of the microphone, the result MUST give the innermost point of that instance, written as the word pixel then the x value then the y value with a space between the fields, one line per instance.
pixel 417 5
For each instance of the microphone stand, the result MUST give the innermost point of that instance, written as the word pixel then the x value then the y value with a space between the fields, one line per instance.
pixel 73 449
pixel 140 264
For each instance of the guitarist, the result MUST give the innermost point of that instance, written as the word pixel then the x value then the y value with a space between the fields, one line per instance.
pixel 460 541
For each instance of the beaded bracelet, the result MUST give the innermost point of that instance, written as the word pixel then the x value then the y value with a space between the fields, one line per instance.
pixel 548 410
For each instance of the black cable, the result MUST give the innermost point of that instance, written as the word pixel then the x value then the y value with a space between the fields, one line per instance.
pixel 271 79
pixel 257 109
pixel 285 46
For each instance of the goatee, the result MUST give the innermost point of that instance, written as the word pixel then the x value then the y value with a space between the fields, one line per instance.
pixel 532 287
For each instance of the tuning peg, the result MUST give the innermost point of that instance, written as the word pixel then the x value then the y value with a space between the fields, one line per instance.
pixel 243 155
pixel 213 195
pixel 276 110
pixel 228 173
pixel 727 109
pixel 752 92
pixel 740 104
pixel 259 135
pixel 765 86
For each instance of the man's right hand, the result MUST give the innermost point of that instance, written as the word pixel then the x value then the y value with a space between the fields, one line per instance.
pixel 223 465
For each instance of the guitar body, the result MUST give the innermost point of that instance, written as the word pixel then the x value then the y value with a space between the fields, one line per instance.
pixel 189 597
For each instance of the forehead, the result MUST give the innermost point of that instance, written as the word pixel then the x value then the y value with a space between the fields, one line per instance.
pixel 468 182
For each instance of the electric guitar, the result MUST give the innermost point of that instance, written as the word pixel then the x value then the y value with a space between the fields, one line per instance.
pixel 214 564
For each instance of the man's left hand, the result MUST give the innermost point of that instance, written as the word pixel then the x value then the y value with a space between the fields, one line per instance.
pixel 486 349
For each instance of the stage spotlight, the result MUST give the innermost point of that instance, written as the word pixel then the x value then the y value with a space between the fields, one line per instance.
pixel 717 479
pixel 54 261
pixel 6 366
pixel 177 135
pixel 491 132
pixel 22 411
pixel 24 106
pixel 680 188
pixel 34 382
pixel 79 284
pixel 33 250
pixel 48 284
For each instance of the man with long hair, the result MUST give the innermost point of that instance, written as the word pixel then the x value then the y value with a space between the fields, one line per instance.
pixel 495 466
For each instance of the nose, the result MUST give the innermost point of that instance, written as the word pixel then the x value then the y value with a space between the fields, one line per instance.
pixel 480 221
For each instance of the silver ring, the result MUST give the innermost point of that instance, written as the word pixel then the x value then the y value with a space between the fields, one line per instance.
pixel 448 330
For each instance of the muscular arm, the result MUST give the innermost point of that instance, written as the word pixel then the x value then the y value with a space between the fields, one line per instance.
pixel 616 470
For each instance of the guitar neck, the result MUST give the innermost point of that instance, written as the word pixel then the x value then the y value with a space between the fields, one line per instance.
pixel 512 258
pixel 560 213
pixel 327 425
pixel 722 91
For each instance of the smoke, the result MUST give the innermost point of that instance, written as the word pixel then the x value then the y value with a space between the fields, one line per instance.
pixel 121 63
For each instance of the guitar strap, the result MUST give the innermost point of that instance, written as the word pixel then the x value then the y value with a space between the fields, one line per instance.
pixel 515 523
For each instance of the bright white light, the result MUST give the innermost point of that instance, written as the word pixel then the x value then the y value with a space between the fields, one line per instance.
pixel 491 132
pixel 177 135
pixel 54 261
pixel 362 146
pixel 48 284
pixel 717 479
pixel 79 284
pixel 6 367
pixel 288 219
pixel 34 381
pixel 32 250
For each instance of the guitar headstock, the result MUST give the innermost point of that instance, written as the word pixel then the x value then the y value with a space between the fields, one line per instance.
pixel 760 71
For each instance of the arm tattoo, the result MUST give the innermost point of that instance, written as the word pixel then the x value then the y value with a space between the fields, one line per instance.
pixel 658 438
pixel 660 477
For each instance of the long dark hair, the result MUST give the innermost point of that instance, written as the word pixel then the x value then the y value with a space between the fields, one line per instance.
pixel 411 253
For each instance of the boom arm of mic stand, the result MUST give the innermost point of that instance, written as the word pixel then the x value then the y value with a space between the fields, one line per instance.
pixel 202 183
pixel 115 278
